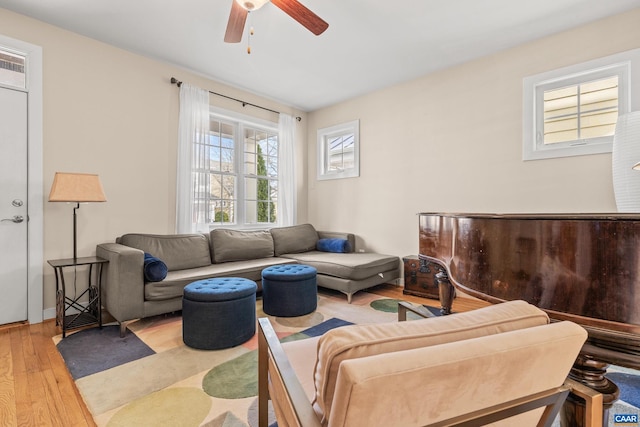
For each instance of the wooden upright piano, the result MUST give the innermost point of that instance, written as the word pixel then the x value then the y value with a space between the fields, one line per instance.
pixel 579 267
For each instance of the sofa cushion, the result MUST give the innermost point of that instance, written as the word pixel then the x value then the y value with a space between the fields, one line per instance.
pixel 155 270
pixel 178 251
pixel 353 265
pixel 298 352
pixel 333 245
pixel 235 245
pixel 355 341
pixel 294 239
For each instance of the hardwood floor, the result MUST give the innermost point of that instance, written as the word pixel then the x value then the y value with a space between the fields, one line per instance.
pixel 37 390
pixel 35 387
pixel 461 303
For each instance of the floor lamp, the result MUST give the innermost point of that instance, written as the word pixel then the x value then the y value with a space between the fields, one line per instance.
pixel 76 188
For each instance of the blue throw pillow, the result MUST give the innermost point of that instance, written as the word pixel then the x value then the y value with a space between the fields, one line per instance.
pixel 155 270
pixel 333 245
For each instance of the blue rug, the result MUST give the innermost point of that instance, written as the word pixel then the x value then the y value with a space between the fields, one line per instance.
pixel 325 326
pixel 94 350
pixel 629 385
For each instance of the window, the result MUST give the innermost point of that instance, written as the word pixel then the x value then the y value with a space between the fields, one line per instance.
pixel 12 69
pixel 236 173
pixel 573 111
pixel 338 151
pixel 579 112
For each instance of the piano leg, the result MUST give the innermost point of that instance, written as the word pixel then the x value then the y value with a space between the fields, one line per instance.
pixel 591 373
pixel 446 292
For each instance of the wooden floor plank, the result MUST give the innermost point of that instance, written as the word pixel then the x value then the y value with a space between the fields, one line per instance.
pixel 57 402
pixel 461 303
pixel 24 414
pixel 35 381
pixel 8 415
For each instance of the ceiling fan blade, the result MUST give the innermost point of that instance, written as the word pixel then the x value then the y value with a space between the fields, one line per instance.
pixel 304 16
pixel 235 26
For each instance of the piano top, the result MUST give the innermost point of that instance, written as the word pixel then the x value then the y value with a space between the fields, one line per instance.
pixel 579 267
pixel 613 216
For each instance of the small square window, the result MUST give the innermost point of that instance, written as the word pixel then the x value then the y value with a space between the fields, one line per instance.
pixel 573 111
pixel 339 151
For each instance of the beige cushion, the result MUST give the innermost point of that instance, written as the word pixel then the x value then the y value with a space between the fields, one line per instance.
pixel 234 245
pixel 300 356
pixel 179 251
pixel 430 384
pixel 298 353
pixel 356 341
pixel 294 239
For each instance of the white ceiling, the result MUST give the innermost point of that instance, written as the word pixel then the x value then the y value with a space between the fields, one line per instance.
pixel 370 44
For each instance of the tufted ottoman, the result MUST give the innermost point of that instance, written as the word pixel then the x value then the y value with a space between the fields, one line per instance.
pixel 289 290
pixel 218 313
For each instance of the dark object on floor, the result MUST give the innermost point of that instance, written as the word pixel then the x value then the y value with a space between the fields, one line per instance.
pixel 97 349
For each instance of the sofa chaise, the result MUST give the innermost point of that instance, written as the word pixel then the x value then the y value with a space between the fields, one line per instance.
pixel 127 295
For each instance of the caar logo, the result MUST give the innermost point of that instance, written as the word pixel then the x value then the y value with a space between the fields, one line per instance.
pixel 629 419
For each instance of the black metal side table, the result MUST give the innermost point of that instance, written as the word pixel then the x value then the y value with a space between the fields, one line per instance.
pixel 70 312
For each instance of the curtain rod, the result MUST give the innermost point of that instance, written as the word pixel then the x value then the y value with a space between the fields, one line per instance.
pixel 178 83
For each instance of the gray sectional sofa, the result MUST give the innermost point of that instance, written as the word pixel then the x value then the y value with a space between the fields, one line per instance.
pixel 127 296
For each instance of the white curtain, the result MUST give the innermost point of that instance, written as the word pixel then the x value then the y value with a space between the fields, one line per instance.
pixel 287 170
pixel 193 127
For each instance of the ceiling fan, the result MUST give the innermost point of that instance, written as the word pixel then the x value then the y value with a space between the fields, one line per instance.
pixel 241 8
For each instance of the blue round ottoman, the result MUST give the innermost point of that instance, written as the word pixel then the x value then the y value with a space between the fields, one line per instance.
pixel 289 290
pixel 218 313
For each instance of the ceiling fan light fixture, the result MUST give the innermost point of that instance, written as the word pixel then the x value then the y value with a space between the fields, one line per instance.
pixel 252 5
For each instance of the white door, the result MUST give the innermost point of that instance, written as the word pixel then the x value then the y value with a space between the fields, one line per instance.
pixel 13 206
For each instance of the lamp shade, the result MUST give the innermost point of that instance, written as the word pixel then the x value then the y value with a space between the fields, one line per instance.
pixel 637 166
pixel 76 187
pixel 626 152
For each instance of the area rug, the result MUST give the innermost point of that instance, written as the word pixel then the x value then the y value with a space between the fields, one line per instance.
pixel 150 378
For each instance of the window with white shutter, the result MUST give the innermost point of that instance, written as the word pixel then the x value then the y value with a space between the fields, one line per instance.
pixel 573 111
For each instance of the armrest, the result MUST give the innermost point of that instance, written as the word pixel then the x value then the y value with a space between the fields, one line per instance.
pixel 593 402
pixel 552 399
pixel 337 235
pixel 289 400
pixel 123 281
pixel 420 310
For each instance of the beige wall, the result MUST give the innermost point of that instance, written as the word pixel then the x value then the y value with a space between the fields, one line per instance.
pixel 114 113
pixel 451 141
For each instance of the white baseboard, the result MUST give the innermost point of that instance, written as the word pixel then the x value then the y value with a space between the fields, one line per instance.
pixel 49 313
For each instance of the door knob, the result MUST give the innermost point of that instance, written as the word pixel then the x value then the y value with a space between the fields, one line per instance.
pixel 16 219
